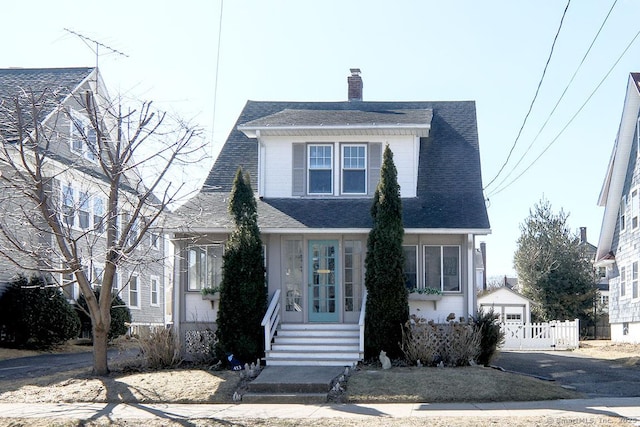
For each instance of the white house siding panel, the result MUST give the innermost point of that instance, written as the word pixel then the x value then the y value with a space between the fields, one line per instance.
pixel 450 303
pixel 277 159
pixel 625 332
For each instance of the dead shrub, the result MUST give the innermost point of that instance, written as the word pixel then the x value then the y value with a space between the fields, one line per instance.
pixel 160 349
pixel 429 344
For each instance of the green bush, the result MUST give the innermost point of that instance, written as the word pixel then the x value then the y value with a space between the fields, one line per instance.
pixel 488 324
pixel 35 314
pixel 120 315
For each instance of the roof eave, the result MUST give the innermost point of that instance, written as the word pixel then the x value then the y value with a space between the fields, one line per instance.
pixel 421 130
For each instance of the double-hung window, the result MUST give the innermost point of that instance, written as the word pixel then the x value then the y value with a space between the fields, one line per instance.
pixel 134 292
pixel 634 209
pixel 155 291
pixel 84 211
pixel 84 139
pixel 442 268
pixel 98 214
pixel 354 169
pixel 204 266
pixel 623 281
pixel 634 280
pixel 623 208
pixel 320 170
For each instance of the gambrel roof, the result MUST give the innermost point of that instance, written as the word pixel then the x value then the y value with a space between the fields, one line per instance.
pixel 449 186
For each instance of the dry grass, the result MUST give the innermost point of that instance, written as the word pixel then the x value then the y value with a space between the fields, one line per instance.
pixel 468 384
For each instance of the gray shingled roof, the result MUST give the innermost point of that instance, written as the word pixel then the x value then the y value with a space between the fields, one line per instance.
pixel 49 85
pixel 293 117
pixel 449 191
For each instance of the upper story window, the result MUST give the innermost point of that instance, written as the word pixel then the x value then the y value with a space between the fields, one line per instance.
pixel 623 208
pixel 634 209
pixel 81 210
pixel 316 166
pixel 623 281
pixel 354 170
pixel 83 136
pixel 320 169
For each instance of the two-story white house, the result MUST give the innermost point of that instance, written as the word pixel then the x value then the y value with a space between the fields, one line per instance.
pixel 314 167
pixel 75 182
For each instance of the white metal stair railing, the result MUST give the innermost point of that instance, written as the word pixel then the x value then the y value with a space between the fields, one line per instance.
pixel 271 320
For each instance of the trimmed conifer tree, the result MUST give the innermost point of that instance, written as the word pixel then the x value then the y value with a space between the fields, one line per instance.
pixel 387 297
pixel 243 292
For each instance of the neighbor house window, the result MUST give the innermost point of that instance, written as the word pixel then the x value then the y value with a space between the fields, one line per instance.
pixel 98 214
pixel 320 176
pixel 204 266
pixel 623 208
pixel 634 280
pixel 410 266
pixel 84 211
pixel 154 240
pixel 442 268
pixel 134 292
pixel 68 285
pixel 84 139
pixel 354 172
pixel 97 274
pixel 511 317
pixel 634 209
pixel 353 274
pixel 155 291
pixel 68 210
pixel 623 281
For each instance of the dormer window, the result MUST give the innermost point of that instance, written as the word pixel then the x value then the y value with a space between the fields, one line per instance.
pixel 84 140
pixel 320 169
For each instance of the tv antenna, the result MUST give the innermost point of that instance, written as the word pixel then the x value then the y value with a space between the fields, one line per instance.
pixel 96 50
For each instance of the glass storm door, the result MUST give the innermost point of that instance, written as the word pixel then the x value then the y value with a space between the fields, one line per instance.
pixel 323 281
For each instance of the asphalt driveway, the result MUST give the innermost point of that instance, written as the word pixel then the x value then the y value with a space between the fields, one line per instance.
pixel 593 377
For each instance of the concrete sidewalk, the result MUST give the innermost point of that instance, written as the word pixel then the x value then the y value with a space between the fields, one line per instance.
pixel 619 407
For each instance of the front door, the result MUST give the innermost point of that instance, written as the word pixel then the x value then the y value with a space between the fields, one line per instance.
pixel 323 281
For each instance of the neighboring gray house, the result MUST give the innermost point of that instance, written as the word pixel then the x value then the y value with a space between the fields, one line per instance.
pixel 314 167
pixel 76 182
pixel 619 244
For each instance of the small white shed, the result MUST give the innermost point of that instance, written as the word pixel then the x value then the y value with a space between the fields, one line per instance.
pixel 512 307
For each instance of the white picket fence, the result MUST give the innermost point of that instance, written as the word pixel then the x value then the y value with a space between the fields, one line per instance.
pixel 541 336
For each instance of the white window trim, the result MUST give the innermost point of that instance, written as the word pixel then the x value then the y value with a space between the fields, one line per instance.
pixel 623 282
pixel 76 205
pixel 635 208
pixel 157 280
pixel 309 169
pixel 365 168
pixel 74 134
pixel 154 243
pixel 138 293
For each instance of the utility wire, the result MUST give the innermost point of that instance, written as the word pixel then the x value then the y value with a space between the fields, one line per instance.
pixel 560 98
pixel 572 117
pixel 215 85
pixel 534 98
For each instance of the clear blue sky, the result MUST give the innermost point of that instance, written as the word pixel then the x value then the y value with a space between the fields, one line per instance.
pixel 492 52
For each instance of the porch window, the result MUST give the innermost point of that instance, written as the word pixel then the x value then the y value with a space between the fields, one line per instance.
pixel 293 274
pixel 320 169
pixel 442 268
pixel 353 274
pixel 623 281
pixel 410 266
pixel 204 266
pixel 354 171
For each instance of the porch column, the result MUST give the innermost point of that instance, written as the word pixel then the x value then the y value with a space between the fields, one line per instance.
pixel 471 286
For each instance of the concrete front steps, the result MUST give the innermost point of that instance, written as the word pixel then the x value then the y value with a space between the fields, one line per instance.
pixel 315 344
pixel 292 384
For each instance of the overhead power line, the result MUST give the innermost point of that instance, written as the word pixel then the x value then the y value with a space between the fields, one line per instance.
pixel 564 92
pixel 572 117
pixel 544 71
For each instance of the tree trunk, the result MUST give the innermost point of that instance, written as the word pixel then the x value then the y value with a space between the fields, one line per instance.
pixel 100 340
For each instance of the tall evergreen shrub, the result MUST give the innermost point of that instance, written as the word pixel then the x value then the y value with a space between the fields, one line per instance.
pixel 120 315
pixel 387 298
pixel 243 292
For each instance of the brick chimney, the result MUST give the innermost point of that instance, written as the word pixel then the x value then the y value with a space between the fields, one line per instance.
pixel 583 234
pixel 355 85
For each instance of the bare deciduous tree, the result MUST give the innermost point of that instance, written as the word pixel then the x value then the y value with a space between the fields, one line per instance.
pixel 120 161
